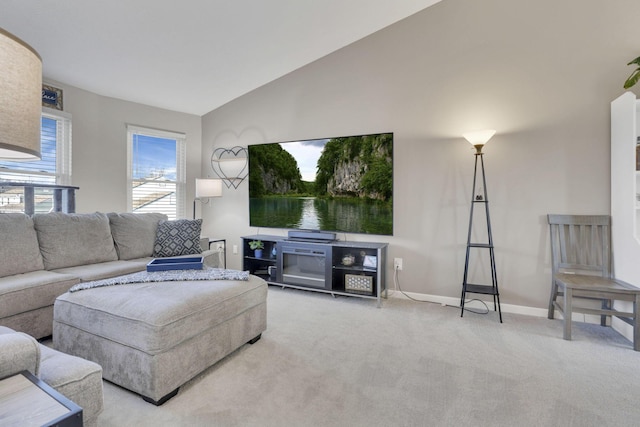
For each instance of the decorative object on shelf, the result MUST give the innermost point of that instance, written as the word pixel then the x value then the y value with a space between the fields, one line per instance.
pixel 21 90
pixel 370 261
pixel 206 188
pixel 358 283
pixel 51 97
pixel 635 75
pixel 272 271
pixel 348 260
pixel 230 165
pixel 256 246
pixel 478 140
pixel 274 251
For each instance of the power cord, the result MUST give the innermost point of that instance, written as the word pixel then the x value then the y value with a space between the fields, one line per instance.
pixel 396 281
pixel 470 310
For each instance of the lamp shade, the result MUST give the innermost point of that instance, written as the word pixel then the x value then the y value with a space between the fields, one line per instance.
pixel 479 137
pixel 206 187
pixel 20 99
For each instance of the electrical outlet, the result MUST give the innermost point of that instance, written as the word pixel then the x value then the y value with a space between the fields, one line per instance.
pixel 397 263
pixel 235 249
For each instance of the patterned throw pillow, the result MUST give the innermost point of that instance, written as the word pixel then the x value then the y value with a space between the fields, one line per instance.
pixel 179 237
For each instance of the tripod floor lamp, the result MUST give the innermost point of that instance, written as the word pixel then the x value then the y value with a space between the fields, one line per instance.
pixel 479 196
pixel 206 188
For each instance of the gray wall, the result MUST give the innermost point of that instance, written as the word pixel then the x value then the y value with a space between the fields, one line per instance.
pixel 99 146
pixel 540 72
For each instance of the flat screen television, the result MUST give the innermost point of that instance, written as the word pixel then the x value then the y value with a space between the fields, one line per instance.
pixel 340 184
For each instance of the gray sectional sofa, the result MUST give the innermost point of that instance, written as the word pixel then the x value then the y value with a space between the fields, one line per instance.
pixel 41 257
pixel 149 339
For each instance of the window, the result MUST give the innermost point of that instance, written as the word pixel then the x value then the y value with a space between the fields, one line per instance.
pixel 156 171
pixel 53 168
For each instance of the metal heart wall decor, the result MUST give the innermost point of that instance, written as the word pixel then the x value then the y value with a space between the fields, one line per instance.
pixel 230 165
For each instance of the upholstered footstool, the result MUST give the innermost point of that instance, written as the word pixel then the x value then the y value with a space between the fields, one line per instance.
pixel 151 338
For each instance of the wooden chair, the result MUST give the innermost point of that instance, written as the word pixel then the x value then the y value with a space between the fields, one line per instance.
pixel 581 270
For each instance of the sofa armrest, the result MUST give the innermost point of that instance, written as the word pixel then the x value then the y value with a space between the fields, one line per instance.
pixel 212 258
pixel 18 352
pixel 204 243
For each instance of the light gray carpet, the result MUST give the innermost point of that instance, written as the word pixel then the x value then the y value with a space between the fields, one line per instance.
pixel 344 362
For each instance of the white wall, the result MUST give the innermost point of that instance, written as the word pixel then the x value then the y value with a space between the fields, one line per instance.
pixel 99 146
pixel 542 73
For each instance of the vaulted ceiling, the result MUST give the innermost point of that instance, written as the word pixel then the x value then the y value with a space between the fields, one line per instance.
pixel 190 55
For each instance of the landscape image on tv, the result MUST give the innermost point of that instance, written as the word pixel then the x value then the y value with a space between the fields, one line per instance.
pixel 336 184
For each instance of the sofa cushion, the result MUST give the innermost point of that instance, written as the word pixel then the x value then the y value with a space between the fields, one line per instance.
pixel 104 270
pixel 134 235
pixel 29 291
pixel 19 250
pixel 179 237
pixel 67 240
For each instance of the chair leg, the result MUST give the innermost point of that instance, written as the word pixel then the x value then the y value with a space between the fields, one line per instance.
pixel 552 298
pixel 607 304
pixel 568 296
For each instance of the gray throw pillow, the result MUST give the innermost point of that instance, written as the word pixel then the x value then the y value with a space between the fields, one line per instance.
pixel 67 240
pixel 19 250
pixel 134 234
pixel 179 237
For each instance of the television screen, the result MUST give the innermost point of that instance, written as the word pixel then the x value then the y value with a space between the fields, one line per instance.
pixel 334 184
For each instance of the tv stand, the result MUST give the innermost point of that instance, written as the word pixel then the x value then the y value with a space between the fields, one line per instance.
pixel 334 267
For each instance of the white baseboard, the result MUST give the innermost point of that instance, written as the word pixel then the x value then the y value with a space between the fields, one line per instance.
pixel 618 325
pixel 455 302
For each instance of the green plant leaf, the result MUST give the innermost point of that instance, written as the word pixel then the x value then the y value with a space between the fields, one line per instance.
pixel 633 79
pixel 635 61
pixel 256 244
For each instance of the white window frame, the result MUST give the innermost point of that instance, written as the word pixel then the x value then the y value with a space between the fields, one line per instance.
pixel 181 163
pixel 62 175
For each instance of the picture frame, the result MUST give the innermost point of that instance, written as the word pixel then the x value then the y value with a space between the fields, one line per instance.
pixel 51 97
pixel 370 261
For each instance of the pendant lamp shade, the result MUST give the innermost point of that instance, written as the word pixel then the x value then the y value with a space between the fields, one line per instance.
pixel 20 99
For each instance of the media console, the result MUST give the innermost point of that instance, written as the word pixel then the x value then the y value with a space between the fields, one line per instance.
pixel 335 267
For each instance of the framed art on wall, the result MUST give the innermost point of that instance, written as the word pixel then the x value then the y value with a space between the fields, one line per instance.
pixel 51 97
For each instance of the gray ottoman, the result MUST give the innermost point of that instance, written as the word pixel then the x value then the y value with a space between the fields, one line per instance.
pixel 151 338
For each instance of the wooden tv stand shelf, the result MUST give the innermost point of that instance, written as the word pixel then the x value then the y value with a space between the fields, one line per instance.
pixel 334 267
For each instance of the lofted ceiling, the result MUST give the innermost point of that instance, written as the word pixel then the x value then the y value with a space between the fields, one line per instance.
pixel 190 56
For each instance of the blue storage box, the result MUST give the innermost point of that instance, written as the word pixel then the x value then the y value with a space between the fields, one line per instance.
pixel 185 263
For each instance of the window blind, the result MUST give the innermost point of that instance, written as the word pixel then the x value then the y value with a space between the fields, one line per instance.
pixel 156 171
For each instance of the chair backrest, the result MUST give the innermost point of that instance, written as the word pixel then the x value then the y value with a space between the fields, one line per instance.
pixel 581 243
